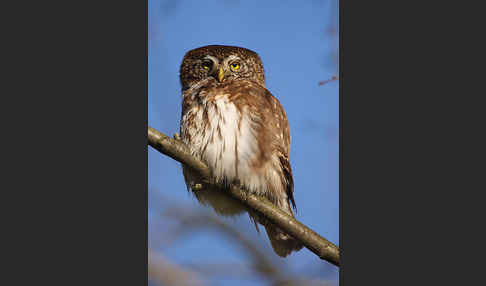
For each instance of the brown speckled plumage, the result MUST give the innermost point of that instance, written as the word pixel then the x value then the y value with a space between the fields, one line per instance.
pixel 239 129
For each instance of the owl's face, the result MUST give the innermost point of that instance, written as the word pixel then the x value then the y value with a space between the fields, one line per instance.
pixel 220 64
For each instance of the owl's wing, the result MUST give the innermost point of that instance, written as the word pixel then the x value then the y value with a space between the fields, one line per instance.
pixel 277 126
pixel 282 137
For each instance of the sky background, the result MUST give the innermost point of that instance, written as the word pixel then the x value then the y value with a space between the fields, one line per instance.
pixel 298 44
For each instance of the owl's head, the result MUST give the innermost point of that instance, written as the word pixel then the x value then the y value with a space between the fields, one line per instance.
pixel 220 63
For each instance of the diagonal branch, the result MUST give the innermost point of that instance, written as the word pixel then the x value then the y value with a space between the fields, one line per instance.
pixel 313 241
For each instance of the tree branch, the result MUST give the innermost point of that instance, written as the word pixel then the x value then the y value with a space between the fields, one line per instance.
pixel 314 242
pixel 164 272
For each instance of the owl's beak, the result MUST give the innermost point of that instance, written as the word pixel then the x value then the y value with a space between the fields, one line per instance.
pixel 220 74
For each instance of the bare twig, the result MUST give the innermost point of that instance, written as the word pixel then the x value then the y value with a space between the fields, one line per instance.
pixel 163 272
pixel 314 242
pixel 333 78
pixel 261 263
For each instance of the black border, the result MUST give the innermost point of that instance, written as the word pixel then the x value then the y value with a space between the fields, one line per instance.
pixel 80 210
pixel 401 130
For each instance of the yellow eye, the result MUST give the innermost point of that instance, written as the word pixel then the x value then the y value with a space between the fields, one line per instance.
pixel 206 65
pixel 235 66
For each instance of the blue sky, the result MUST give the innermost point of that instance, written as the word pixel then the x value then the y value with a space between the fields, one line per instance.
pixel 297 50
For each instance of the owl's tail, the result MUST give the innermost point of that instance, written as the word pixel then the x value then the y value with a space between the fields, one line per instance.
pixel 282 243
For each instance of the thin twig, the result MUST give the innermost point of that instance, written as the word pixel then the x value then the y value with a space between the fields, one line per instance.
pixel 163 272
pixel 333 78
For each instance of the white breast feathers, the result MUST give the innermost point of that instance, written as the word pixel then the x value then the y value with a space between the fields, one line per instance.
pixel 224 138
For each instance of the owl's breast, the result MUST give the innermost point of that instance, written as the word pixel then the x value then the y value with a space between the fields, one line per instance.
pixel 223 135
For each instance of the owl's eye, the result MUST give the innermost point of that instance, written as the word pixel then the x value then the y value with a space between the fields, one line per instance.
pixel 207 65
pixel 235 66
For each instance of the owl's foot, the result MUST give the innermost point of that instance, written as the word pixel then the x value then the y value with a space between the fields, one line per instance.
pixel 197 187
pixel 177 137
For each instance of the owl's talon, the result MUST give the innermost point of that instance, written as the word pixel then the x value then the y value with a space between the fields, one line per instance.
pixel 197 187
pixel 177 137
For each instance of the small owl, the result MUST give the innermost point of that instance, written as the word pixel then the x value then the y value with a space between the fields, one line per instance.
pixel 233 123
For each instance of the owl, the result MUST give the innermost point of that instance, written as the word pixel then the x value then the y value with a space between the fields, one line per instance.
pixel 239 129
